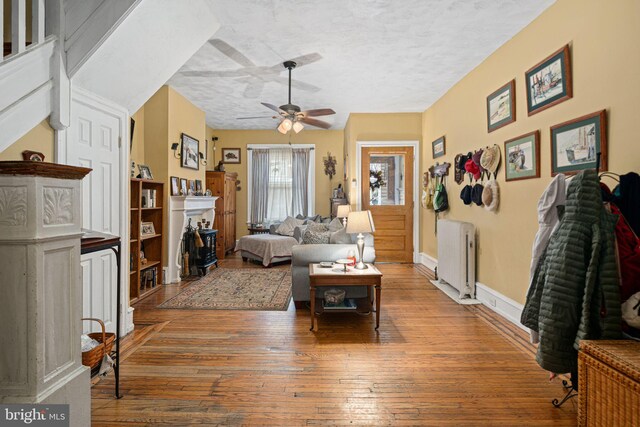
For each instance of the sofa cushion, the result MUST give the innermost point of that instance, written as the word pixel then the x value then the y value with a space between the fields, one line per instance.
pixel 340 237
pixel 335 225
pixel 288 225
pixel 312 236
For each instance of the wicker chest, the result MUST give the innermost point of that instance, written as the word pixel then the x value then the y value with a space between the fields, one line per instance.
pixel 609 383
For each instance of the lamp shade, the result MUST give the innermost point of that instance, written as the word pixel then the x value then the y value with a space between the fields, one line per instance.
pixel 360 222
pixel 343 211
pixel 297 127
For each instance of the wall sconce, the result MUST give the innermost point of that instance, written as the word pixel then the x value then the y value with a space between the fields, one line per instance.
pixel 174 147
pixel 202 159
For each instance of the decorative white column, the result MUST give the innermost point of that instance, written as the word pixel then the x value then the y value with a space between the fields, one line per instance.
pixel 181 208
pixel 41 287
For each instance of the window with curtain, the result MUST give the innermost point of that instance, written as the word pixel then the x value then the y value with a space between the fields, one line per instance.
pixel 281 183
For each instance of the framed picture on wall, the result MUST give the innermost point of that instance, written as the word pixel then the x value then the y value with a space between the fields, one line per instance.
pixel 231 155
pixel 192 187
pixel 198 186
pixel 189 152
pixel 522 157
pixel 549 81
pixel 575 144
pixel 175 186
pixel 438 147
pixel 501 107
pixel 183 187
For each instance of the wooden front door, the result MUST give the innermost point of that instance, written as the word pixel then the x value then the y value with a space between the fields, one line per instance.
pixel 387 191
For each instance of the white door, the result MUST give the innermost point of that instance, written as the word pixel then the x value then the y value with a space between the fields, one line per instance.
pixel 94 142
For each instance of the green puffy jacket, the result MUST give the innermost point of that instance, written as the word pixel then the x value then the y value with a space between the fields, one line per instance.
pixel 575 292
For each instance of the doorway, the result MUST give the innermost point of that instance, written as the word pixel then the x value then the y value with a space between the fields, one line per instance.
pixel 387 190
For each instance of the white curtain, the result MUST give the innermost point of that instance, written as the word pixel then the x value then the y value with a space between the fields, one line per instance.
pixel 279 204
pixel 259 184
pixel 300 181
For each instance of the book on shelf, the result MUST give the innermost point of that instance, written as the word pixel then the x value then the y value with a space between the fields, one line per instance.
pixel 347 304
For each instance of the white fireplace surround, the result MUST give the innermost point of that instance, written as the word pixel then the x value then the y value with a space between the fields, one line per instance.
pixel 181 208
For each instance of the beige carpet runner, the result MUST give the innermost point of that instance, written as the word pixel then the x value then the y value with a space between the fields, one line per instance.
pixel 236 289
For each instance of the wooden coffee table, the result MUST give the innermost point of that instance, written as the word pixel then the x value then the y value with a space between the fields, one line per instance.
pixel 336 276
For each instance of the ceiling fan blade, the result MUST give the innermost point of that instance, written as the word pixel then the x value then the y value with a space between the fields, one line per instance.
pixel 306 59
pixel 315 122
pixel 231 52
pixel 274 108
pixel 254 89
pixel 227 73
pixel 317 112
pixel 257 117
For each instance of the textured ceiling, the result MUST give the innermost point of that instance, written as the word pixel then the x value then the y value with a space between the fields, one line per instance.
pixel 355 55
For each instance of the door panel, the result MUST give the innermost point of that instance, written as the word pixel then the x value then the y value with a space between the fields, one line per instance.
pixel 387 191
pixel 94 143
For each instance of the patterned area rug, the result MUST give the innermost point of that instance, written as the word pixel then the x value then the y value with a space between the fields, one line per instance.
pixel 236 289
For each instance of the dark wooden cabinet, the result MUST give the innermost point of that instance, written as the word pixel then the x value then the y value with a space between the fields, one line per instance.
pixel 223 185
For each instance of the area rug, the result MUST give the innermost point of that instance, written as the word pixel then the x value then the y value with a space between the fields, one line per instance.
pixel 236 289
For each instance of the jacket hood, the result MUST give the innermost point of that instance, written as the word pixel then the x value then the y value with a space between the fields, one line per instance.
pixel 553 196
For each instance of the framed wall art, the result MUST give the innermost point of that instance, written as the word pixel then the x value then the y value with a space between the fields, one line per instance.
pixel 549 81
pixel 189 152
pixel 522 157
pixel 183 187
pixel 175 186
pixel 501 107
pixel 575 144
pixel 438 147
pixel 231 155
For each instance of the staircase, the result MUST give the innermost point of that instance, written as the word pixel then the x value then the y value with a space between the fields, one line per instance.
pixel 120 50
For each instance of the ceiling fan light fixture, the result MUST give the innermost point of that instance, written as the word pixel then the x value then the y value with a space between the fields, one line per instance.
pixel 281 128
pixel 298 126
pixel 287 124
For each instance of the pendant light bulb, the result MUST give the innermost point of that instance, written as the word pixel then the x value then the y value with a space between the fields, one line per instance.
pixel 287 124
pixel 297 127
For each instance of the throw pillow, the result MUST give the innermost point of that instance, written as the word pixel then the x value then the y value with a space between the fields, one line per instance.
pixel 287 226
pixel 317 227
pixel 335 225
pixel 340 237
pixel 315 237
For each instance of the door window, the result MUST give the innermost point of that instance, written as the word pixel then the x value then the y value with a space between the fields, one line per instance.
pixel 386 179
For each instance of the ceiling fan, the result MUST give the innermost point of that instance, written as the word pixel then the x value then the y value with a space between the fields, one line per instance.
pixel 292 116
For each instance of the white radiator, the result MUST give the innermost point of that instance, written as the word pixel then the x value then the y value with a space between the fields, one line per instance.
pixel 457 256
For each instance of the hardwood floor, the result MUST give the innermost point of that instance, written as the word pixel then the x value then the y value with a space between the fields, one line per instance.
pixel 433 362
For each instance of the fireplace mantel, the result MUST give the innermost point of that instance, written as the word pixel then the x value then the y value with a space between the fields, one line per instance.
pixel 181 208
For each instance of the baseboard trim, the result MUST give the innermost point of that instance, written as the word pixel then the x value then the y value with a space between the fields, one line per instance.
pixel 494 300
pixel 428 261
pixel 503 305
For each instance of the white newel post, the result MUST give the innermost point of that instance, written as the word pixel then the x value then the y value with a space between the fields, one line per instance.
pixel 41 287
pixel 181 208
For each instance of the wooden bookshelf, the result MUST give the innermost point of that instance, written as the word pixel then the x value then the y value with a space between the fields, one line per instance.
pixel 151 245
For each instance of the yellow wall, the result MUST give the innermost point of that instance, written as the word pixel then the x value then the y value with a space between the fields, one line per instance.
pixel 40 138
pixel 605 63
pixel 324 140
pixel 137 146
pixel 377 127
pixel 164 117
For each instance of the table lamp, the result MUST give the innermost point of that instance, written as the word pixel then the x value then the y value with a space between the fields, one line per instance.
pixel 343 212
pixel 360 222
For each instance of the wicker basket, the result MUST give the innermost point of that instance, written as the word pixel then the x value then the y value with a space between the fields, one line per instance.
pixel 93 357
pixel 609 383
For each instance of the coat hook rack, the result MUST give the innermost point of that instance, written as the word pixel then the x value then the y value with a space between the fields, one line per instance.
pixel 439 170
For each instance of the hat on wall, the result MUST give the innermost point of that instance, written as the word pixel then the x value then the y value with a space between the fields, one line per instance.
pixel 476 194
pixel 477 156
pixel 471 167
pixel 465 194
pixel 490 159
pixel 491 195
